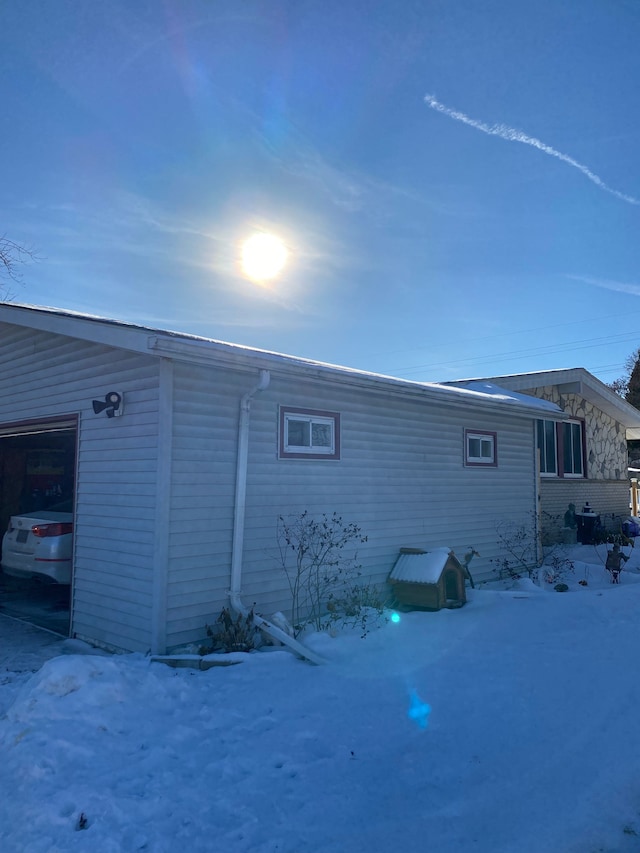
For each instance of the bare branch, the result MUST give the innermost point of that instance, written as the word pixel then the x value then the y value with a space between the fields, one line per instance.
pixel 12 256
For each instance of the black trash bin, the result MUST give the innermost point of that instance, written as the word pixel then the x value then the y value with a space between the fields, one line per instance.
pixel 588 522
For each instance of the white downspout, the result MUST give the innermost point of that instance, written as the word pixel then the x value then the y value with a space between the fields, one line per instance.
pixel 241 487
pixel 537 516
pixel 238 528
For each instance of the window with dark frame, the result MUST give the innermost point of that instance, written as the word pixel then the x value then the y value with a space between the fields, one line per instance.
pixel 308 434
pixel 561 447
pixel 548 447
pixel 572 449
pixel 480 448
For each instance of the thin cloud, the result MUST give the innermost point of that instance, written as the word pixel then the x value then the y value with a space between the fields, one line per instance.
pixel 607 284
pixel 346 188
pixel 512 134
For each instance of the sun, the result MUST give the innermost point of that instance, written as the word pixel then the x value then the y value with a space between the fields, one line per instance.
pixel 263 256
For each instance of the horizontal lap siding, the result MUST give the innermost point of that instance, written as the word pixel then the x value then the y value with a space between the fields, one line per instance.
pixel 44 375
pixel 205 425
pixel 400 478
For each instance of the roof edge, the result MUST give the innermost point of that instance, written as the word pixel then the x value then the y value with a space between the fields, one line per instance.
pixel 589 386
pixel 190 348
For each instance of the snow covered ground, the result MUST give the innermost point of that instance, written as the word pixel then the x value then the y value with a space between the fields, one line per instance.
pixel 510 725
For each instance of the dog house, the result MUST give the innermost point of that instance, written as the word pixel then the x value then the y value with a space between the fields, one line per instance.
pixel 429 580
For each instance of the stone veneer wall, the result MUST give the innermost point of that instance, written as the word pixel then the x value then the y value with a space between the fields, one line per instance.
pixel 606 439
pixel 605 487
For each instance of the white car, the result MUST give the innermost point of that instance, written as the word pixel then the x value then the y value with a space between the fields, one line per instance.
pixel 39 545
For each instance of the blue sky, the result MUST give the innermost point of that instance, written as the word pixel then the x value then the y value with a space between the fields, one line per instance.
pixel 458 182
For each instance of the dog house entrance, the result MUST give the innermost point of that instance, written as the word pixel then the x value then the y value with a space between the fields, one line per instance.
pixel 451 586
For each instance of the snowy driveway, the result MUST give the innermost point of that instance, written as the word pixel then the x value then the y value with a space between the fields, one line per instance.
pixel 508 726
pixel 25 647
pixel 23 650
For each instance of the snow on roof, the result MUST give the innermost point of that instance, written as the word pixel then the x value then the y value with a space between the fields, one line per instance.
pixel 193 348
pixel 502 394
pixel 421 568
pixel 577 380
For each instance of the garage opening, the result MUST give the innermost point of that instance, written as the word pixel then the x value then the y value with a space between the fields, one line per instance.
pixel 37 497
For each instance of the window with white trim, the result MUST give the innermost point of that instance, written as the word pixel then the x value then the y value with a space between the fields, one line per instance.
pixel 480 448
pixel 309 434
pixel 561 447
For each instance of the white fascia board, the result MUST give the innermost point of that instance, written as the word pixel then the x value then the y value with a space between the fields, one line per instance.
pixel 193 349
pixel 209 352
pixel 74 325
pixel 607 400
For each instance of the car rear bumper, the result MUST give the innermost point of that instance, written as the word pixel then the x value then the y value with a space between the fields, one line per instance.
pixel 52 571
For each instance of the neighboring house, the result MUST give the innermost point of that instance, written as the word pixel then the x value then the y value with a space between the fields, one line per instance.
pixel 177 496
pixel 583 458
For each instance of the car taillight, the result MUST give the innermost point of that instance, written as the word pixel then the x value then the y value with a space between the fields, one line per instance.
pixel 56 529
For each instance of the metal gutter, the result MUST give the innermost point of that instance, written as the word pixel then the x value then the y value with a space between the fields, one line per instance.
pixel 199 350
pixel 215 353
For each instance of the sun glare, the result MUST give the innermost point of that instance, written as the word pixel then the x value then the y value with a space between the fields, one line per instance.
pixel 263 256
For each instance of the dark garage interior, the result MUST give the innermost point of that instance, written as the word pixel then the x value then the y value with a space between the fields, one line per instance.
pixel 37 471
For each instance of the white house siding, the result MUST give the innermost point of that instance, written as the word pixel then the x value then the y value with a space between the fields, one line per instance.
pixel 400 478
pixel 205 425
pixel 44 375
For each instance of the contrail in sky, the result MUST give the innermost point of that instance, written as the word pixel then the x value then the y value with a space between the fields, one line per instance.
pixel 619 286
pixel 512 134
